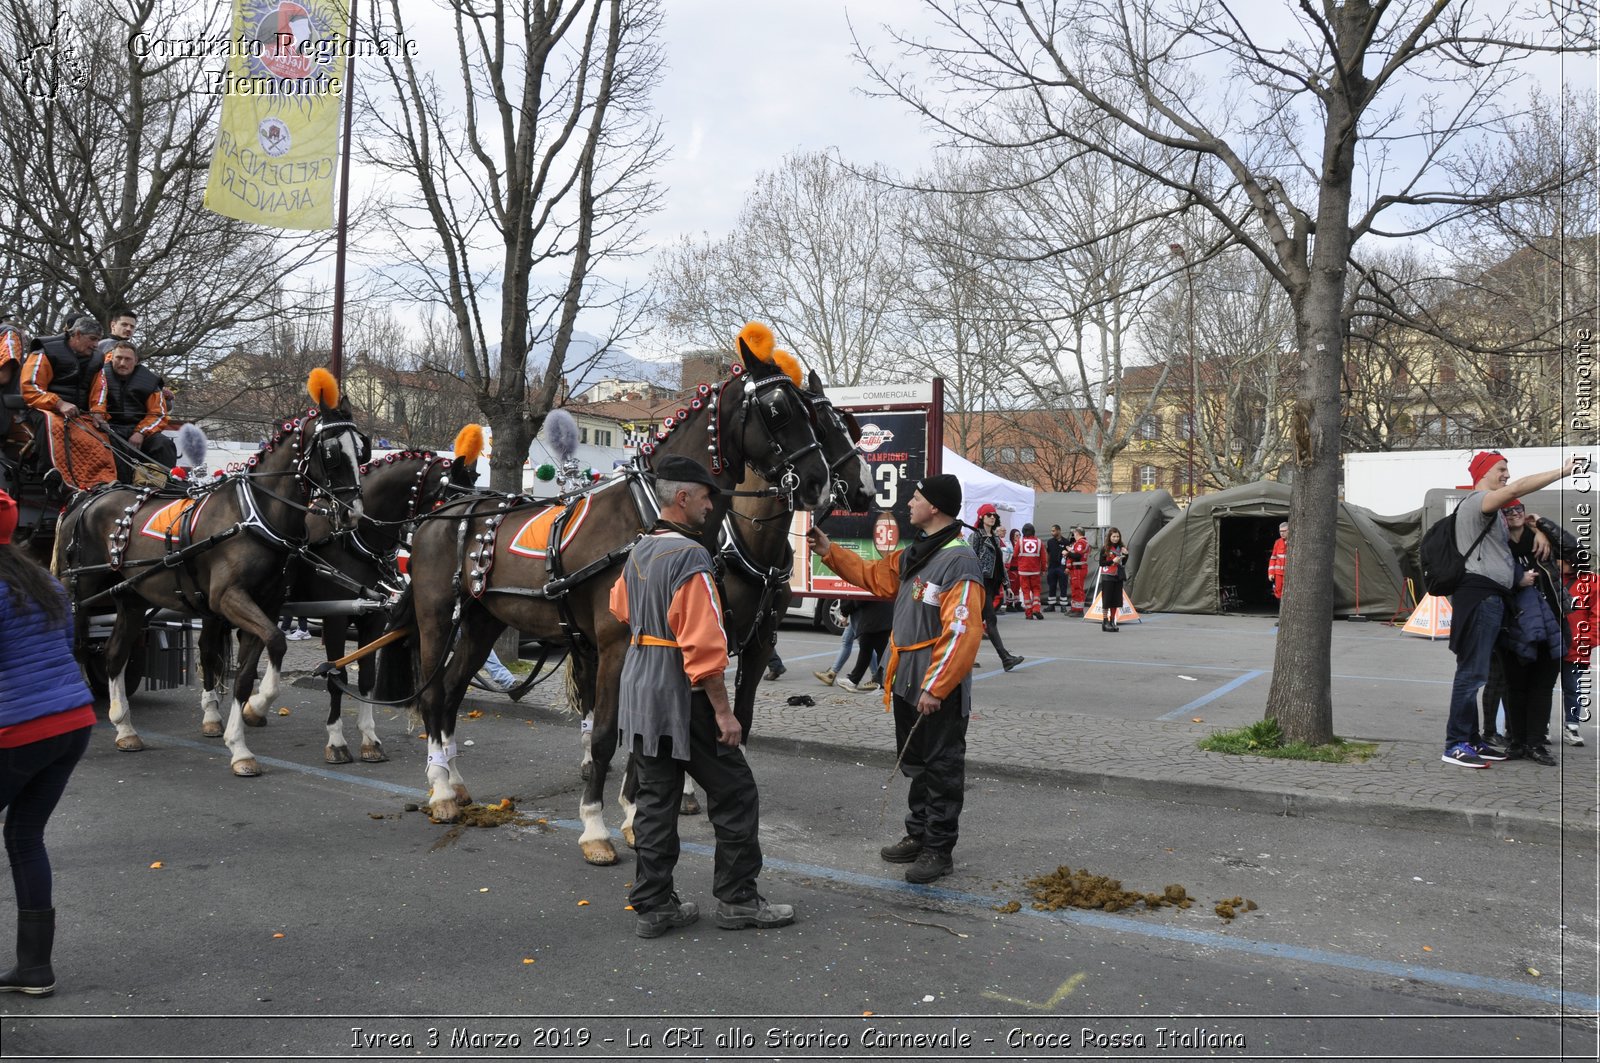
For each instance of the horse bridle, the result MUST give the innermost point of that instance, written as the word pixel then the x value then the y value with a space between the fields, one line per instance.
pixel 821 407
pixel 324 445
pixel 781 470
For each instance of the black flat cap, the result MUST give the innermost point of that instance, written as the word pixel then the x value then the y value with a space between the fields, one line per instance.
pixel 684 470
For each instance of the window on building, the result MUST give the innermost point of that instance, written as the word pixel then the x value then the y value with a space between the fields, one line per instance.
pixel 1150 427
pixel 1186 426
pixel 583 435
pixel 602 437
pixel 990 455
pixel 1008 455
pixel 1147 477
pixel 1029 455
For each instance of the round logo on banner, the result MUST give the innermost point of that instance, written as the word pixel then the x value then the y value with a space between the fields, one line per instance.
pixel 290 38
pixel 274 136
pixel 873 437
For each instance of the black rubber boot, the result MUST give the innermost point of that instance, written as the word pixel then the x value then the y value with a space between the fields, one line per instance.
pixel 36 935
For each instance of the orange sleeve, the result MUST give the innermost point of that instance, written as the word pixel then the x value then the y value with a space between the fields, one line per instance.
pixel 36 378
pixel 11 348
pixel 960 632
pixel 156 417
pixel 881 577
pixel 695 617
pixel 98 392
pixel 619 599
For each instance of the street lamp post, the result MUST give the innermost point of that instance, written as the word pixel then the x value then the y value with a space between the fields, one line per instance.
pixel 1189 424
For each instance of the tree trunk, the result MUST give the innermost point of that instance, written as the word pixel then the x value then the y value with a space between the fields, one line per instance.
pixel 1301 698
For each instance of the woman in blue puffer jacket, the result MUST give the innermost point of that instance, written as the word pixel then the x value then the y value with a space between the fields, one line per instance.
pixel 46 713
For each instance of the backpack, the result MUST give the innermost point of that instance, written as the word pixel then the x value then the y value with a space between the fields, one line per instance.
pixel 1444 566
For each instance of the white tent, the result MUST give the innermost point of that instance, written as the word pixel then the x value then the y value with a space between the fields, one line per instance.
pixel 979 485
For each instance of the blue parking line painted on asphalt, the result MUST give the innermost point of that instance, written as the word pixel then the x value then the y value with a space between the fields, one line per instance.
pixel 419 792
pixel 1234 684
pixel 1572 1000
pixel 1031 662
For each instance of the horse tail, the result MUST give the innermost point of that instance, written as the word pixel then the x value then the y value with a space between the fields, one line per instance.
pixel 574 700
pixel 397 661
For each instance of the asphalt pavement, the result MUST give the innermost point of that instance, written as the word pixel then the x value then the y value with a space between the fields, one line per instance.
pixel 1123 713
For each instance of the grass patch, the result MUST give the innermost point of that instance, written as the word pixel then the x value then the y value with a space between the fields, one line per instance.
pixel 519 667
pixel 1264 739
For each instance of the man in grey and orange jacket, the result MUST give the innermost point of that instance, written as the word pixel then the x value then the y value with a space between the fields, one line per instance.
pixel 938 609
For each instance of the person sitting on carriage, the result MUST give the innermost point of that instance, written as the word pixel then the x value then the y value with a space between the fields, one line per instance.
pixel 14 431
pixel 55 384
pixel 134 404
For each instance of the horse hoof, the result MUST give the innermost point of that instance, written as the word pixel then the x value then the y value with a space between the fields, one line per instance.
pixel 246 768
pixel 585 770
pixel 336 755
pixel 130 744
pixel 600 854
pixel 462 796
pixel 373 754
pixel 252 718
pixel 444 811
pixel 689 806
pixel 627 836
pixel 211 729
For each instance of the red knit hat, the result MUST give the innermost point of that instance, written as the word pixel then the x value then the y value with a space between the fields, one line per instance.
pixel 1482 462
pixel 8 517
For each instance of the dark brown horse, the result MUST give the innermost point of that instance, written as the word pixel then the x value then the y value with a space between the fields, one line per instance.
pixel 219 552
pixel 480 566
pixel 361 564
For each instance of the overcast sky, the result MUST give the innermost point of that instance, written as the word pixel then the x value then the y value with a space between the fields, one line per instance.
pixel 748 83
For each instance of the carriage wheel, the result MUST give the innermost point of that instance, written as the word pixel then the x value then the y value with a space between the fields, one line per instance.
pixel 94 668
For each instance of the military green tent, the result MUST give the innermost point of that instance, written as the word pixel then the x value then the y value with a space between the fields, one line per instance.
pixel 1137 514
pixel 1213 558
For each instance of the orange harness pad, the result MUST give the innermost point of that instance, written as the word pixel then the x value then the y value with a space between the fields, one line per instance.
pixel 164 522
pixel 533 538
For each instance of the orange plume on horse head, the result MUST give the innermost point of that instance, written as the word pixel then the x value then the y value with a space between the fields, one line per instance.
pixel 323 388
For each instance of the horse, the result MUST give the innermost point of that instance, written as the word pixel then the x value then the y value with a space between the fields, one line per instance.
pixel 551 575
pixel 218 552
pixel 362 562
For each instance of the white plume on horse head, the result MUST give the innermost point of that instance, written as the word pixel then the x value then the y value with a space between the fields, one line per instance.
pixel 561 434
pixel 192 445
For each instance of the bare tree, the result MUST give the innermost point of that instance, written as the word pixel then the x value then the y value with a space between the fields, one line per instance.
pixel 525 172
pixel 1235 324
pixel 1355 120
pixel 818 253
pixel 105 147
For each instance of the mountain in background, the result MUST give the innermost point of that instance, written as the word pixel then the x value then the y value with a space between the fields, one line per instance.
pixel 584 370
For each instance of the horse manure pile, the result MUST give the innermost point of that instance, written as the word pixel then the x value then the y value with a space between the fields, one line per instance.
pixel 493 815
pixel 1231 906
pixel 1066 888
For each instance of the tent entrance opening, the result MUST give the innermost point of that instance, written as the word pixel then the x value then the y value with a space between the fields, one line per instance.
pixel 1244 545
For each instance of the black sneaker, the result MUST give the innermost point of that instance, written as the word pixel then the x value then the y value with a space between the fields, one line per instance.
pixel 1012 661
pixel 1541 755
pixel 929 866
pixel 658 921
pixel 1488 750
pixel 760 913
pixel 903 851
pixel 1464 755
